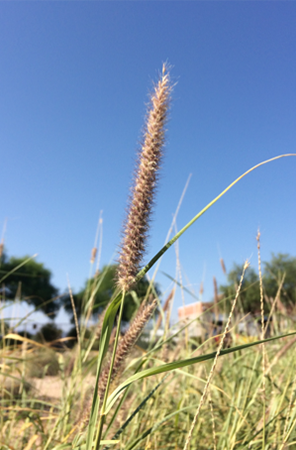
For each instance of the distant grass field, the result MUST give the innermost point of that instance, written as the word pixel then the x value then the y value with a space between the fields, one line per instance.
pixel 44 393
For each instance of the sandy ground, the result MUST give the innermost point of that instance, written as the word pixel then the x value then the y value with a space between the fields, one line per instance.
pixel 52 387
pixel 48 387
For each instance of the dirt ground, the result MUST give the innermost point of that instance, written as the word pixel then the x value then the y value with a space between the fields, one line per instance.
pixel 51 387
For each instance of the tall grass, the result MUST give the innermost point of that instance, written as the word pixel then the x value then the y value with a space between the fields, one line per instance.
pixel 177 394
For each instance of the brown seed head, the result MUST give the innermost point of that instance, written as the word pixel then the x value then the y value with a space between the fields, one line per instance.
pixel 223 266
pixel 201 288
pixel 93 255
pixel 126 343
pixel 143 190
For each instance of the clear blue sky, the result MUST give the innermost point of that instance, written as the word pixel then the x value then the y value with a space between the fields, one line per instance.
pixel 74 80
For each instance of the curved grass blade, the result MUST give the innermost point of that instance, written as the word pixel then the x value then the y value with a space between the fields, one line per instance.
pixel 180 285
pixel 191 222
pixel 83 446
pixel 116 301
pixel 17 337
pixel 114 305
pixel 247 444
pixel 104 342
pixel 18 267
pixel 183 363
pixel 157 425
pixel 135 412
pixel 120 403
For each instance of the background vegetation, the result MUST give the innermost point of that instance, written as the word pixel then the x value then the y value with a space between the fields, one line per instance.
pixel 47 386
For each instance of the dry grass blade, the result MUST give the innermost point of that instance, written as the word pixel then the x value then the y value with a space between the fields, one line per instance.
pixel 262 337
pixel 204 394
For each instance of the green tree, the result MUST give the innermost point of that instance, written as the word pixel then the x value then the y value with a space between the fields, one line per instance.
pixel 101 288
pixel 273 271
pixel 48 332
pixel 249 295
pixel 31 283
pixel 279 266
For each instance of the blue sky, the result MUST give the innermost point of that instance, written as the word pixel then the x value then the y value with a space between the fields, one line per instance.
pixel 74 82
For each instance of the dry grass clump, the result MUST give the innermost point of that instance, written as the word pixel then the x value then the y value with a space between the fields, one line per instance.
pixel 43 362
pixel 168 412
pixel 12 385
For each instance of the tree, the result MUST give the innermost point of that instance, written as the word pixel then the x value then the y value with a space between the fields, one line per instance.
pixel 249 295
pixel 48 332
pixel 281 265
pixel 31 283
pixel 101 288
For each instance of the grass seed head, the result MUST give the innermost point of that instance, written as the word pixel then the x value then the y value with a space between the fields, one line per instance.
pixel 127 342
pixel 223 266
pixel 143 191
pixel 93 255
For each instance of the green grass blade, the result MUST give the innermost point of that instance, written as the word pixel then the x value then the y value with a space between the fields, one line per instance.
pixel 114 305
pixel 104 342
pixel 18 267
pixel 183 363
pixel 157 425
pixel 191 222
pixel 181 285
pixel 141 405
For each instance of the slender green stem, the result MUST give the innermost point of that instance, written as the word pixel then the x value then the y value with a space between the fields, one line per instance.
pixel 18 267
pixel 191 222
pixel 103 413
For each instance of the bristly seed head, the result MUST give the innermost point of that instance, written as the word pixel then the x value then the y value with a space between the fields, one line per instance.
pixel 142 194
pixel 127 342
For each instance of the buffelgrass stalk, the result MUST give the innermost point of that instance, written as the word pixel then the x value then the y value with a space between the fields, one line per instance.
pixel 215 298
pixel 166 306
pixel 99 252
pixel 1 249
pixel 203 397
pixel 212 417
pixel 137 224
pixel 141 202
pixel 127 342
pixel 223 266
pixel 201 289
pixel 275 301
pixel 262 337
pixel 74 314
pixel 143 190
pixel 2 239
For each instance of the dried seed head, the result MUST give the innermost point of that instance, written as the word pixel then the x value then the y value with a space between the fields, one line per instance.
pixel 223 266
pixel 165 307
pixel 93 255
pixel 201 288
pixel 143 190
pixel 126 343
